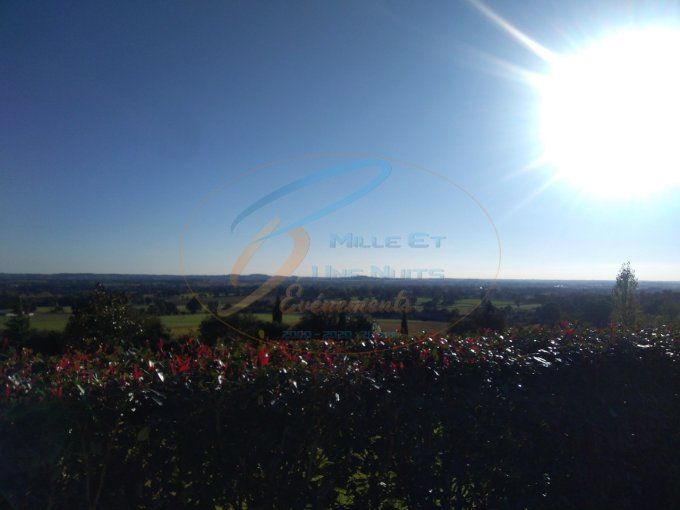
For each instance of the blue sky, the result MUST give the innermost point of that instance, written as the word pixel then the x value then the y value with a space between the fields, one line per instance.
pixel 116 120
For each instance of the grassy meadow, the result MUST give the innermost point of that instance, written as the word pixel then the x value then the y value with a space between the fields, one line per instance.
pixel 46 319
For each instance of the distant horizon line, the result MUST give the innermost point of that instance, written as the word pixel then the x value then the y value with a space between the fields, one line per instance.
pixel 357 277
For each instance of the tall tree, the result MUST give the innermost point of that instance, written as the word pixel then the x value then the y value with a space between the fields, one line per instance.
pixel 277 314
pixel 404 323
pixel 107 317
pixel 18 326
pixel 193 305
pixel 624 297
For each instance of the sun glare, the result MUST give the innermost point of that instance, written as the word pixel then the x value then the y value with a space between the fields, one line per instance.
pixel 610 114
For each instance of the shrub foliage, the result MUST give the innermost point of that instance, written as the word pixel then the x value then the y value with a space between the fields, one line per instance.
pixel 529 418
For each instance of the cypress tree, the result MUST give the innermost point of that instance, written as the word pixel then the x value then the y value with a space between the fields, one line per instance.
pixel 277 314
pixel 404 323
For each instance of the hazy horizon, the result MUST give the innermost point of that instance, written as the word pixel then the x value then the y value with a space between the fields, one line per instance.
pixel 263 275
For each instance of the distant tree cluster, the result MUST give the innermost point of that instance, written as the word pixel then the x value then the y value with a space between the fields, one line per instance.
pixel 193 305
pixel 107 317
pixel 214 329
pixel 485 316
pixel 162 307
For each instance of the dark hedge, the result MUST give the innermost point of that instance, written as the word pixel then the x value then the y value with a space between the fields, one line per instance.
pixel 529 419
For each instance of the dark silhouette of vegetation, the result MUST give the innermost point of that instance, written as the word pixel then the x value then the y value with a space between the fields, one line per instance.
pixel 536 419
pixel 213 330
pixel 277 314
pixel 18 325
pixel 107 318
pixel 403 329
pixel 485 316
pixel 549 314
pixel 162 307
pixel 48 343
pixel 193 305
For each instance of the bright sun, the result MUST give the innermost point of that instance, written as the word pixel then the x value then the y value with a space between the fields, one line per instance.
pixel 610 114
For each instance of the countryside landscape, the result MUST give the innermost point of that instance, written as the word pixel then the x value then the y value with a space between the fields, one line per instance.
pixel 358 255
pixel 527 361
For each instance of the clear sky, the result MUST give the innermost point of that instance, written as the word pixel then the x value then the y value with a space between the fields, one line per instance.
pixel 117 118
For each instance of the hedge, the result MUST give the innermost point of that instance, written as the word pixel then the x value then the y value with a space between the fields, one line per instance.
pixel 525 419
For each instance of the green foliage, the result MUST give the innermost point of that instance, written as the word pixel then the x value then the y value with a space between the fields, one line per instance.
pixel 215 330
pixel 153 329
pixel 18 325
pixel 548 313
pixel 277 314
pixel 49 343
pixel 662 308
pixel 107 318
pixel 193 305
pixel 536 419
pixel 17 329
pixel 162 307
pixel 624 297
pixel 485 316
pixel 595 310
pixel 403 329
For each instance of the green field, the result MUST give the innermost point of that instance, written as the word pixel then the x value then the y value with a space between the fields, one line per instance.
pixel 467 305
pixel 45 321
pixel 183 324
pixel 177 324
pixel 189 324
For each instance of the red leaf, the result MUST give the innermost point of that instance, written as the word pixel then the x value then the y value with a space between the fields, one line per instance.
pixel 137 373
pixel 262 357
